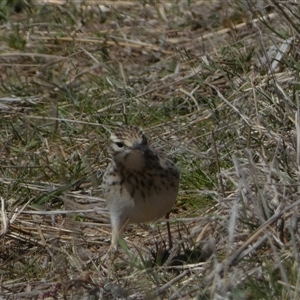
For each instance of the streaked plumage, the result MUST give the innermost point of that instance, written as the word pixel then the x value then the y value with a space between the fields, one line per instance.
pixel 139 185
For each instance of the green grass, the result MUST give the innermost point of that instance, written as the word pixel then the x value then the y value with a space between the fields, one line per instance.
pixel 197 77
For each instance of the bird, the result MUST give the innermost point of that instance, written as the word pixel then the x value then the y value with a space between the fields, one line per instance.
pixel 140 184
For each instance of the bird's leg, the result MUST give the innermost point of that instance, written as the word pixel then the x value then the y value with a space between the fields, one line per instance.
pixel 118 224
pixel 169 230
pixel 115 237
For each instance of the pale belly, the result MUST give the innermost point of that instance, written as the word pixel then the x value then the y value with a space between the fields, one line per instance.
pixel 138 205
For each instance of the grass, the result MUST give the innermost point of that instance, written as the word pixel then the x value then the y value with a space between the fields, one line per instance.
pixel 215 85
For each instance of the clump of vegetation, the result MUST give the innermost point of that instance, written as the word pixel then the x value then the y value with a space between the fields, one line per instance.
pixel 215 84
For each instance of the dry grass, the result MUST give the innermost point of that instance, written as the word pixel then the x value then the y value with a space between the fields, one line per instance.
pixel 214 83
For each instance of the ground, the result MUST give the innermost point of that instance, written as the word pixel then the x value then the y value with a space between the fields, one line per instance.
pixel 214 84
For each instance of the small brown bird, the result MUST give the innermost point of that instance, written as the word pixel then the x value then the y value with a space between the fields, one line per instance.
pixel 140 184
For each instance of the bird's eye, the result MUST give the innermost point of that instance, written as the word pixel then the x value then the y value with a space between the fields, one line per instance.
pixel 120 145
